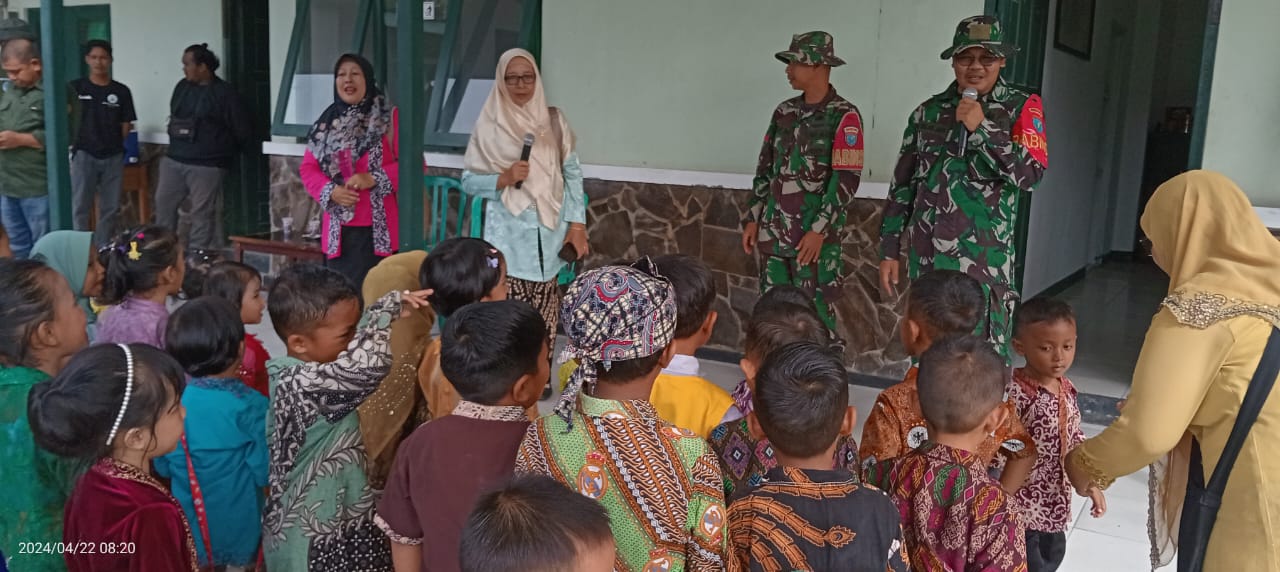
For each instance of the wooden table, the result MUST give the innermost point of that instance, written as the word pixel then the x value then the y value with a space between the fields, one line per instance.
pixel 293 247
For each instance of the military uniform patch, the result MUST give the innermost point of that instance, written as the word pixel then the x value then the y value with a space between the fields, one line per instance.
pixel 846 147
pixel 1029 130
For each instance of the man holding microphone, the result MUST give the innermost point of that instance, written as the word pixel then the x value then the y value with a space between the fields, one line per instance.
pixel 967 155
pixel 808 171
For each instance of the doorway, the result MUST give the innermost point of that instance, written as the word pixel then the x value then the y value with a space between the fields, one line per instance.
pixel 246 35
pixel 80 24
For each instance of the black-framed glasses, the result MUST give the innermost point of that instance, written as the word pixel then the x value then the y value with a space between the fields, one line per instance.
pixel 965 61
pixel 514 80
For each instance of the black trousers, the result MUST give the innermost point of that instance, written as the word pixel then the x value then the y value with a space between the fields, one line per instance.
pixel 1045 550
pixel 357 257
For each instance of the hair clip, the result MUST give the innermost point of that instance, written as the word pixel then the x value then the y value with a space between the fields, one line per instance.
pixel 133 251
pixel 139 236
pixel 493 262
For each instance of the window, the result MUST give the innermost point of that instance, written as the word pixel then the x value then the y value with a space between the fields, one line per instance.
pixel 462 42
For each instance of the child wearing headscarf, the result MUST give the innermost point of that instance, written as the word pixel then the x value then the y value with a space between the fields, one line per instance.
pixel 660 484
pixel 72 254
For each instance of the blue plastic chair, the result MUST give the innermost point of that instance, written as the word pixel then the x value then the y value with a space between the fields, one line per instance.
pixel 470 219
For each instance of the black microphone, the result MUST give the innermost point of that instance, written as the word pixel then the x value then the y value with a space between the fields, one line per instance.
pixel 524 153
pixel 961 130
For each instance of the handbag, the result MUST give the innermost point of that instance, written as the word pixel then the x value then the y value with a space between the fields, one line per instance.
pixel 1200 510
pixel 182 129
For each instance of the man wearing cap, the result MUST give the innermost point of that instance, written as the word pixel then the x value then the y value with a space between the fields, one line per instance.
pixel 808 171
pixel 965 160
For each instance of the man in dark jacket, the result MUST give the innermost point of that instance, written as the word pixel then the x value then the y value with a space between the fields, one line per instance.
pixel 208 125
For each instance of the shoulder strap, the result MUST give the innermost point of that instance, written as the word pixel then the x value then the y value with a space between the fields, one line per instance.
pixel 1264 378
pixel 197 500
pixel 554 112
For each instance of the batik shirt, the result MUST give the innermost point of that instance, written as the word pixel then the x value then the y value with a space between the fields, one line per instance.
pixel 959 213
pixel 895 426
pixel 816 520
pixel 744 460
pixel 954 516
pixel 660 483
pixel 1054 421
pixel 320 511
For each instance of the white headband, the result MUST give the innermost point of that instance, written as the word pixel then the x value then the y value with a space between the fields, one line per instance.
pixel 128 392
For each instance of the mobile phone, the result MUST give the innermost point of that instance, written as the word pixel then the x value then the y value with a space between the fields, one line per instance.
pixel 568 253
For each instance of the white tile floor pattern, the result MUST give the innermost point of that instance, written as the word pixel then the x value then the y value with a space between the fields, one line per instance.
pixel 1116 542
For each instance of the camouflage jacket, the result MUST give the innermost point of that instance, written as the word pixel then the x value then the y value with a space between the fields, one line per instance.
pixel 796 188
pixel 958 212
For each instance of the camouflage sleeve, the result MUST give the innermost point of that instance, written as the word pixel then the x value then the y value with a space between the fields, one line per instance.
pixel 838 196
pixel 764 174
pixel 1012 154
pixel 902 193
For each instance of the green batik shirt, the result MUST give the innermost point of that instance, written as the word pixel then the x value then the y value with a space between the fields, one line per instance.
pixel 957 212
pixel 660 484
pixel 796 188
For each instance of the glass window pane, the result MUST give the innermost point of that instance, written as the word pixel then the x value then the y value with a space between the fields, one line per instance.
pixel 486 29
pixel 331 32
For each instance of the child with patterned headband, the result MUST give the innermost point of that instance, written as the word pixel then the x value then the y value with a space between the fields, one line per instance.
pixel 660 484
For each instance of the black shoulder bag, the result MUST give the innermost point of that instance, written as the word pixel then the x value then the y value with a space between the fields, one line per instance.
pixel 1200 510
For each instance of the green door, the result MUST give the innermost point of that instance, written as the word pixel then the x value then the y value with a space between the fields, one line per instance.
pixel 81 24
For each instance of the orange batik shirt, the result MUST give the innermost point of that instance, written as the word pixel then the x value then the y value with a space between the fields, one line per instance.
pixel 896 426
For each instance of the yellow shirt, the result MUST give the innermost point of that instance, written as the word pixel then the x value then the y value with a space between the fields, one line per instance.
pixel 1195 379
pixel 683 398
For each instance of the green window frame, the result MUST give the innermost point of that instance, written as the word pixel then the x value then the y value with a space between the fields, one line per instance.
pixel 374 22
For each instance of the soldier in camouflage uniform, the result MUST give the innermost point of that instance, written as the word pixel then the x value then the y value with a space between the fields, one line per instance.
pixel 957 211
pixel 808 170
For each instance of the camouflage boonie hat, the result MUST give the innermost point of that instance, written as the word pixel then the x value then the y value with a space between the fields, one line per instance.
pixel 980 31
pixel 812 49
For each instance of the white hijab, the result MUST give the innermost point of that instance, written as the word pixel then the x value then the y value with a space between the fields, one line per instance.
pixel 498 139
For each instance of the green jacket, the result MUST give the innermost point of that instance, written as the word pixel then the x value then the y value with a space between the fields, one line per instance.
pixel 22 169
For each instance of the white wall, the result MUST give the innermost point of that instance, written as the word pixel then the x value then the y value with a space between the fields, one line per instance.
pixel 1072 219
pixel 690 85
pixel 1243 130
pixel 147 38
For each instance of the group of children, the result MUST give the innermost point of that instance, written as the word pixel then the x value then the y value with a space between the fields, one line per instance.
pixel 165 447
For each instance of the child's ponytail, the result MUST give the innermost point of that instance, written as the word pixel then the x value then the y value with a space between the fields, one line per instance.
pixel 134 260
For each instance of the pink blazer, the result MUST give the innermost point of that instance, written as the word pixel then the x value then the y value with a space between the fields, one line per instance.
pixel 315 180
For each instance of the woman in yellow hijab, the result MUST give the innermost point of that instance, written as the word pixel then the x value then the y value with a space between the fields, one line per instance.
pixel 1197 360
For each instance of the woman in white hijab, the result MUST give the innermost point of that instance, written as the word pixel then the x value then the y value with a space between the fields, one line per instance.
pixel 537 209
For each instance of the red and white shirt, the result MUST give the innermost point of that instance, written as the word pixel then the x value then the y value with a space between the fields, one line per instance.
pixel 1054 423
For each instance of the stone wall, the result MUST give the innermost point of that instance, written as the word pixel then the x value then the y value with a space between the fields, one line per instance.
pixel 626 220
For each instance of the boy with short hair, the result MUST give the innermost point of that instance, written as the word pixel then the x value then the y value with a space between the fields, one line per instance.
pixel 1045 400
pixel 660 483
pixel 680 394
pixel 744 457
pixel 496 356
pixel 806 515
pixel 24 192
pixel 536 524
pixel 320 508
pixel 940 303
pixel 955 516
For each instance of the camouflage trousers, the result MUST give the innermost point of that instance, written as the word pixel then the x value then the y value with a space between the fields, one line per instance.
pixel 822 278
pixel 998 327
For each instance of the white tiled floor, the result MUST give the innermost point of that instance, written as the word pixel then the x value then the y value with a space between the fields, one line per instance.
pixel 1117 542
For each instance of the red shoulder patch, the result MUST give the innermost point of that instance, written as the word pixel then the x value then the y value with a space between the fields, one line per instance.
pixel 846 148
pixel 1029 131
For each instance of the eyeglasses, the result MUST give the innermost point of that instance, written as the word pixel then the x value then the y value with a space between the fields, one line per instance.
pixel 967 60
pixel 526 79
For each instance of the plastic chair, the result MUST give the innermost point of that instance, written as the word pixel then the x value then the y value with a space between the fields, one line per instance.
pixel 470 220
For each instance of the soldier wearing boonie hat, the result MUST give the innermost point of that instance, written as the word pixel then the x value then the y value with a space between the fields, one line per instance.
pixel 808 171
pixel 964 164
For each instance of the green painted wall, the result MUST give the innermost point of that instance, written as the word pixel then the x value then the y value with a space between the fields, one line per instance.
pixel 148 37
pixel 674 84
pixel 1243 131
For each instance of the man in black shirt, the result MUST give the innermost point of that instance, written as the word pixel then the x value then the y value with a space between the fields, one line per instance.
pixel 208 126
pixel 102 116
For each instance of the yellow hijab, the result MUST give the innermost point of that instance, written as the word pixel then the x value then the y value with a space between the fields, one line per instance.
pixel 498 139
pixel 1222 263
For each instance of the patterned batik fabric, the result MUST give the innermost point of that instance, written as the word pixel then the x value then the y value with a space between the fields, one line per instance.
pixel 895 426
pixel 960 213
pixel 545 298
pixel 816 520
pixel 320 510
pixel 797 190
pixel 660 484
pixel 744 461
pixel 1054 421
pixel 954 516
